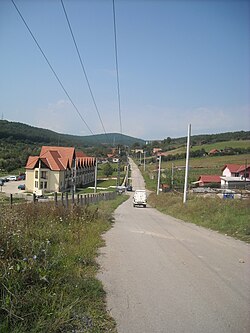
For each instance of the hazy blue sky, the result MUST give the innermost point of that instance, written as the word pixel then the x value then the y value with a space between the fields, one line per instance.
pixel 179 62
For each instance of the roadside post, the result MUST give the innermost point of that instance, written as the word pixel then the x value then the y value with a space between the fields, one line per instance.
pixel 96 166
pixel 187 165
pixel 159 175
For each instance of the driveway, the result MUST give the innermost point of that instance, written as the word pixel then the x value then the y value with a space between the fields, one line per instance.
pixel 163 275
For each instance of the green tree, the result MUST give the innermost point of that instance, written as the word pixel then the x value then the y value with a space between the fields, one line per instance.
pixel 107 169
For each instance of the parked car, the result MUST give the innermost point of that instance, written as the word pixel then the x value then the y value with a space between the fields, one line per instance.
pixel 1 182
pixel 11 178
pixel 129 188
pixel 21 177
pixel 5 180
pixel 21 187
pixel 140 198
pixel 120 189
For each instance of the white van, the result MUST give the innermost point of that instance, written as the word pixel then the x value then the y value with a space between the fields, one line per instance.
pixel 140 198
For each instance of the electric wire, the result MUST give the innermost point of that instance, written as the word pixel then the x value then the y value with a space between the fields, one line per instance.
pixel 83 69
pixel 52 69
pixel 117 68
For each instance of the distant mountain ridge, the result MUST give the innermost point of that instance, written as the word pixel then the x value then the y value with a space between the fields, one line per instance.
pixel 30 134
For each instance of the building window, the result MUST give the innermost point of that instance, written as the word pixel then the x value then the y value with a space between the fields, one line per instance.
pixel 44 175
pixel 41 185
pixel 45 185
pixel 36 184
pixel 36 174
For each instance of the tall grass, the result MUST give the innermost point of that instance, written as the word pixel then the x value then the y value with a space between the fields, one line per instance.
pixel 48 267
pixel 231 217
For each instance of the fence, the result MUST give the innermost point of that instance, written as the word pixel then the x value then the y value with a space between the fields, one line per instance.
pixel 67 199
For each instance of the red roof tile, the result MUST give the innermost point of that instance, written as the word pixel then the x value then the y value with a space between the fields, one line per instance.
pixel 209 179
pixel 32 160
pixel 232 167
pixel 60 158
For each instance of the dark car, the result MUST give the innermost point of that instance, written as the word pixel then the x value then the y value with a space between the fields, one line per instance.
pixel 21 177
pixel 129 188
pixel 21 187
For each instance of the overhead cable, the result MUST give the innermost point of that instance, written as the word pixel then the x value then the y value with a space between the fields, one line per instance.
pixel 52 69
pixel 83 67
pixel 117 69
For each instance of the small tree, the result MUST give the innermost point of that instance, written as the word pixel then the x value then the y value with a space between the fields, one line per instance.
pixel 107 169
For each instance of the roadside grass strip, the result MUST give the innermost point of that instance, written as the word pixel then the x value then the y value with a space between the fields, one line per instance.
pixel 229 216
pixel 48 268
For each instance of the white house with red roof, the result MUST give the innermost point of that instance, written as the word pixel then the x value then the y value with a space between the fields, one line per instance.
pixel 235 176
pixel 58 169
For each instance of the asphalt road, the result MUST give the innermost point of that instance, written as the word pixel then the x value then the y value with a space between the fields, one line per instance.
pixel 163 275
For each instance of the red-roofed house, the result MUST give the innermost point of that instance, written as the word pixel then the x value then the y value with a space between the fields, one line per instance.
pixel 205 180
pixel 236 170
pixel 59 169
pixel 214 152
pixel 235 175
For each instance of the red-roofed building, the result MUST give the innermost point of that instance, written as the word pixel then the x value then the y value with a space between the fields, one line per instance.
pixel 59 169
pixel 214 152
pixel 205 180
pixel 235 176
pixel 236 170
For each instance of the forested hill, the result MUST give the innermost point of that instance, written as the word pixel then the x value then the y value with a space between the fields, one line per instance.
pixel 13 131
pixel 18 141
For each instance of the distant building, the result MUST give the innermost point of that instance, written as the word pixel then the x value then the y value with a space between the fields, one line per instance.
pixel 156 151
pixel 137 150
pixel 205 180
pixel 58 169
pixel 214 152
pixel 235 176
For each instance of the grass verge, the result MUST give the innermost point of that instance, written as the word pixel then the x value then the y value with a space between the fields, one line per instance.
pixel 231 217
pixel 48 268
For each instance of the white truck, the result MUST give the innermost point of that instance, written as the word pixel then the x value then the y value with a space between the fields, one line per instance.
pixel 140 198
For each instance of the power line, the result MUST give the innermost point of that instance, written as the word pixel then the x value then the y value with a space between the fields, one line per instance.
pixel 83 68
pixel 52 69
pixel 117 69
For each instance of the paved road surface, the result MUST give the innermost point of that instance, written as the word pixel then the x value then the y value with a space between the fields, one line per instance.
pixel 11 187
pixel 166 276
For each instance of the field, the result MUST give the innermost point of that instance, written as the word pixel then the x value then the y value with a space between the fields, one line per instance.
pixel 230 217
pixel 206 165
pixel 217 145
pixel 48 268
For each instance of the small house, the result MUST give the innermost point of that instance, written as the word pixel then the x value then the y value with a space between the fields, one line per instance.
pixel 208 180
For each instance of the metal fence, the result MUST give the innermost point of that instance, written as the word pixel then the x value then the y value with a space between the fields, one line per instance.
pixel 64 199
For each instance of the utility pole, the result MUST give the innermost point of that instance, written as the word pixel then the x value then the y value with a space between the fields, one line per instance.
pixel 118 176
pixel 140 157
pixel 75 176
pixel 95 175
pixel 187 165
pixel 159 175
pixel 144 163
pixel 172 177
pixel 245 174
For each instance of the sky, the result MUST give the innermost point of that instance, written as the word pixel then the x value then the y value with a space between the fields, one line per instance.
pixel 179 62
